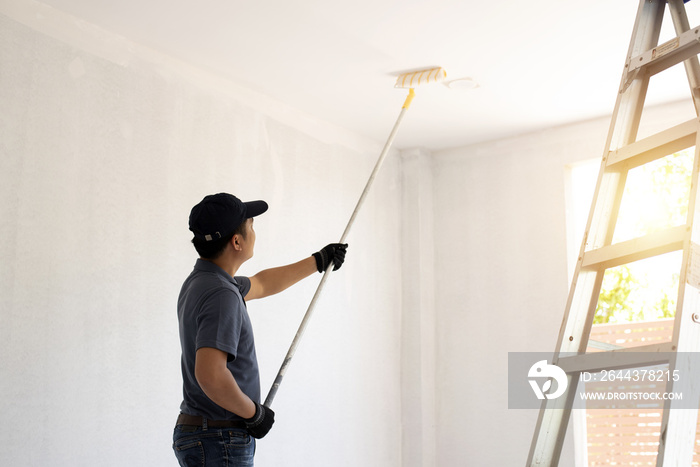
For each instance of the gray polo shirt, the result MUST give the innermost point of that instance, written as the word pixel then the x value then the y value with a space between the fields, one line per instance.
pixel 212 313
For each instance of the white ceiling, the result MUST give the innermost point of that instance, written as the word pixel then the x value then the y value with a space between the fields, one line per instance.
pixel 538 63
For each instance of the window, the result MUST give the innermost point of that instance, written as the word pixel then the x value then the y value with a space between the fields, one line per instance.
pixel 637 300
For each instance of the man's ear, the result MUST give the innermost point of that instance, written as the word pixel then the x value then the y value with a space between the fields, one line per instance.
pixel 235 243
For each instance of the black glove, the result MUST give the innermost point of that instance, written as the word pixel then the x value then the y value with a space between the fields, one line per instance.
pixel 260 423
pixel 334 252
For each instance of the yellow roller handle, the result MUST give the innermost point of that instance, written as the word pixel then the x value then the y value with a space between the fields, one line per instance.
pixel 409 98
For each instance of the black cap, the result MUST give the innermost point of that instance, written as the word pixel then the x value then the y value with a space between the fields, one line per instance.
pixel 218 216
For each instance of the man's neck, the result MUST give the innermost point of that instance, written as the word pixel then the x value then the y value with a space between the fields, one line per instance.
pixel 226 263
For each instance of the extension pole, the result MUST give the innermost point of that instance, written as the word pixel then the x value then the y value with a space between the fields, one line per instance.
pixel 407 80
pixel 326 274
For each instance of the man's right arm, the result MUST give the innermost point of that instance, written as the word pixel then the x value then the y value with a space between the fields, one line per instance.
pixel 220 386
pixel 218 383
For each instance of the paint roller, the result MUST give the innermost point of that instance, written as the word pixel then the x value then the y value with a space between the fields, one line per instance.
pixel 408 80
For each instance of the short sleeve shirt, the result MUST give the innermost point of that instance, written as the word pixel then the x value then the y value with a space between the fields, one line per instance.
pixel 212 313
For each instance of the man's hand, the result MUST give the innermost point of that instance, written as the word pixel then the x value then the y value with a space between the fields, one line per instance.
pixel 333 253
pixel 260 423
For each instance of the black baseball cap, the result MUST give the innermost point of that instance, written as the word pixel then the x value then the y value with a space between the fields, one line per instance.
pixel 219 215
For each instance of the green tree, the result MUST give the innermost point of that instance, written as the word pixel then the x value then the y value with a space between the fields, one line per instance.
pixel 614 300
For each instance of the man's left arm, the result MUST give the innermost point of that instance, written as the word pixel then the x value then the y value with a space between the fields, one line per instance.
pixel 275 280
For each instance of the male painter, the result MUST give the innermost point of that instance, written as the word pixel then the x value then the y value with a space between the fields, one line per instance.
pixel 221 415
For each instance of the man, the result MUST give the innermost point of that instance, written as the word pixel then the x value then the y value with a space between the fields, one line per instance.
pixel 221 415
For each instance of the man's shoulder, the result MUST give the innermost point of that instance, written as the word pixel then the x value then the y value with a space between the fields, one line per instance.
pixel 209 283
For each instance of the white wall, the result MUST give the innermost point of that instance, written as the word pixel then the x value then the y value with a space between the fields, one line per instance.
pixel 105 147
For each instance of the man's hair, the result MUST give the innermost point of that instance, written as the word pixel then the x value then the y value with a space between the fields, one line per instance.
pixel 215 248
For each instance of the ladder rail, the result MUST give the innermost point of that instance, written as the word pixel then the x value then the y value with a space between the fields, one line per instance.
pixel 692 65
pixel 678 423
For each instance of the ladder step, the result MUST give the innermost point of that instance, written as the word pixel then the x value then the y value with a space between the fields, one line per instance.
pixel 646 355
pixel 603 345
pixel 663 56
pixel 654 244
pixel 654 147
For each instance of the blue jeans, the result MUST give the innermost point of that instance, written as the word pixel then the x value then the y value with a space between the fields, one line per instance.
pixel 220 447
